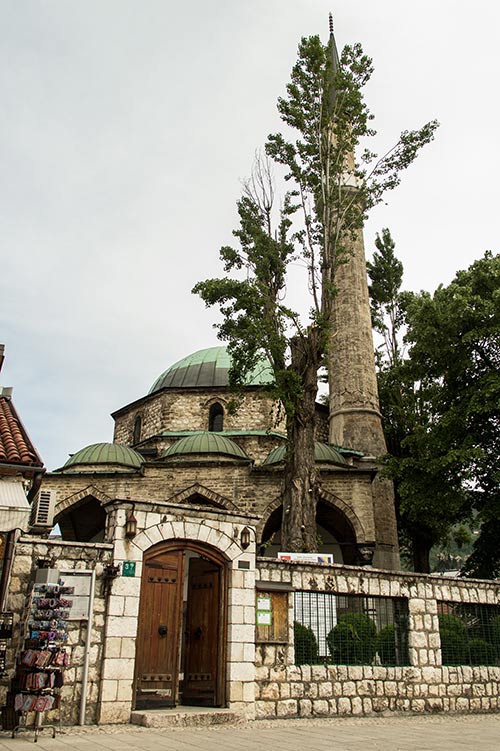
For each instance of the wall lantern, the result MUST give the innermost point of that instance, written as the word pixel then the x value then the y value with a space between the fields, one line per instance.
pixel 110 572
pixel 245 538
pixel 131 525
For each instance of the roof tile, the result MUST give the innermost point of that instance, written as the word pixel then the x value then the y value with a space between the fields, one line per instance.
pixel 15 445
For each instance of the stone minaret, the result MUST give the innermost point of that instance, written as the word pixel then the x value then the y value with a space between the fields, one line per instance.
pixel 355 419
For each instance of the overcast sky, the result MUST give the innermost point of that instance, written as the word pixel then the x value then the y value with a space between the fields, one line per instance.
pixel 125 129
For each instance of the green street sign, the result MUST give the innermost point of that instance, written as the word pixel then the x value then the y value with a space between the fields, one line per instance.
pixel 128 568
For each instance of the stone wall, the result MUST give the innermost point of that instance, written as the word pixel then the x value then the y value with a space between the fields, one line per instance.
pixel 284 689
pixel 236 486
pixel 65 557
pixel 188 409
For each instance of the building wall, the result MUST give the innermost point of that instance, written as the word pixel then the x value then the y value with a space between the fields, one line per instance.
pixel 219 530
pixel 284 689
pixel 262 678
pixel 237 485
pixel 69 557
pixel 187 409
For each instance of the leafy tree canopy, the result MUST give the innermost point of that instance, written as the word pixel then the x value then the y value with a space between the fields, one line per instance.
pixel 441 410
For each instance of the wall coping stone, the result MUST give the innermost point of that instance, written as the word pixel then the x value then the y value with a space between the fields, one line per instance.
pixel 373 573
pixel 66 543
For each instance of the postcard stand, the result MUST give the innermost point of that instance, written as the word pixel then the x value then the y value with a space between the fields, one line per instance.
pixel 40 666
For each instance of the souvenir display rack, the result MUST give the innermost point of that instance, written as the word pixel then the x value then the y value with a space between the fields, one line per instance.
pixel 6 621
pixel 40 665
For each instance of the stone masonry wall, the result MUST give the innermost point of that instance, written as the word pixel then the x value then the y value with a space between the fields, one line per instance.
pixel 284 689
pixel 67 557
pixel 188 409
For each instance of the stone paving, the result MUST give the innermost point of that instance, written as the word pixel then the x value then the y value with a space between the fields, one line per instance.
pixel 408 733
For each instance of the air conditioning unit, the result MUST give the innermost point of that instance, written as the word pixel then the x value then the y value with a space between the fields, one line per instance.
pixel 42 510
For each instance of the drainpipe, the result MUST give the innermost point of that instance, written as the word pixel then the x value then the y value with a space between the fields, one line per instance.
pixel 85 673
pixel 35 485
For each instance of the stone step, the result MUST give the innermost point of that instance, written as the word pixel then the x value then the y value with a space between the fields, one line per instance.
pixel 185 717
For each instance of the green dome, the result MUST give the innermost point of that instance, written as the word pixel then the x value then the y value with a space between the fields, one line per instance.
pixel 207 368
pixel 323 453
pixel 106 453
pixel 204 442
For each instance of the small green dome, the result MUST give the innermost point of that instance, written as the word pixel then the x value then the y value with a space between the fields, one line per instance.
pixel 204 442
pixel 323 453
pixel 106 453
pixel 208 368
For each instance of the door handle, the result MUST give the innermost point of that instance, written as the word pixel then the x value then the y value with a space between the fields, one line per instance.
pixel 162 629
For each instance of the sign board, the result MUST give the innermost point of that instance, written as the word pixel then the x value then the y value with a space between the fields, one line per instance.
pixel 264 611
pixel 80 581
pixel 306 557
pixel 128 568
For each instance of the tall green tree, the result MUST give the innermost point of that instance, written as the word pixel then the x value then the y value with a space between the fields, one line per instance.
pixel 329 195
pixel 441 407
pixel 454 339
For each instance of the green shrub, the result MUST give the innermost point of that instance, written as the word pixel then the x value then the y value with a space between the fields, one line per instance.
pixel 353 640
pixel 453 633
pixel 494 634
pixel 306 646
pixel 481 652
pixel 386 645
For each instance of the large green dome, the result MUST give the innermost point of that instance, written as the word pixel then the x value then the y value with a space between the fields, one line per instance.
pixel 106 453
pixel 204 442
pixel 207 368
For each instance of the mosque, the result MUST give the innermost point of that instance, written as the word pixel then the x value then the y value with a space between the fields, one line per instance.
pixel 180 444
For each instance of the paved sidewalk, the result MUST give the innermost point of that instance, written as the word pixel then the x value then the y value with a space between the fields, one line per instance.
pixel 426 733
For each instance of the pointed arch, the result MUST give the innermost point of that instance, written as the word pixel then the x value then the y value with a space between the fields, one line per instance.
pixel 339 505
pixel 333 516
pixel 198 494
pixel 76 498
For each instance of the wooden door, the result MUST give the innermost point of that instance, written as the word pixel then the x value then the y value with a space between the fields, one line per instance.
pixel 202 646
pixel 157 661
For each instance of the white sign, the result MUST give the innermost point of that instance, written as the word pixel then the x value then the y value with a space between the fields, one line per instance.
pixel 264 618
pixel 263 603
pixel 306 557
pixel 80 581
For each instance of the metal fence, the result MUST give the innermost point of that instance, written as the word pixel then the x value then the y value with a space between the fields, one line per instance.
pixel 470 633
pixel 350 629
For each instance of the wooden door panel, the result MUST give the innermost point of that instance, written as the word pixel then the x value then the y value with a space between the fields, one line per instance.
pixel 157 659
pixel 202 633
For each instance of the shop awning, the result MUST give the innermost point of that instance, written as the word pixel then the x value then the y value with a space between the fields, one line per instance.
pixel 14 506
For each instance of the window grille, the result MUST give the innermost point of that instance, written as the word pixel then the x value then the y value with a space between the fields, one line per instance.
pixel 470 633
pixel 350 629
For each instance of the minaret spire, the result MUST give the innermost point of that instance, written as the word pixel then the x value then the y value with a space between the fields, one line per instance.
pixel 355 419
pixel 334 64
pixel 333 47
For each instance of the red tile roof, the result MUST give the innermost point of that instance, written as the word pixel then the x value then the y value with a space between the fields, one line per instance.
pixel 15 445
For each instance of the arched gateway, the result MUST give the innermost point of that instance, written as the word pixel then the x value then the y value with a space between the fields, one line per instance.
pixel 181 637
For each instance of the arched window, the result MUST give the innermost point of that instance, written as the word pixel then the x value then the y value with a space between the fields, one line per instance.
pixel 137 430
pixel 216 418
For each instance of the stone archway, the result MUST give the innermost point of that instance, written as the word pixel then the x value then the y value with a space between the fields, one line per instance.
pixel 338 527
pixel 82 517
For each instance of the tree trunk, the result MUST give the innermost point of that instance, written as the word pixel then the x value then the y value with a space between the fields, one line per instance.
pixel 421 555
pixel 298 529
